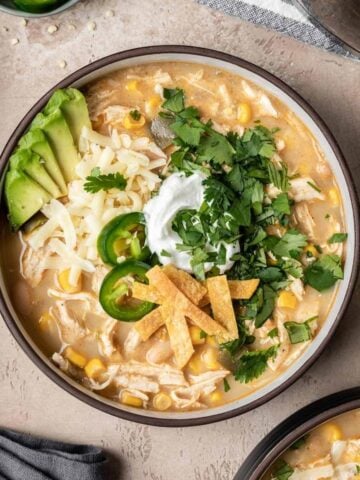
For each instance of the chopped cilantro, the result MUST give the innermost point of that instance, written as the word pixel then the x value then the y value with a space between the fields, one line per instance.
pixel 135 115
pixel 253 364
pixel 165 253
pixel 298 332
pixel 279 177
pixel 273 333
pixel 283 471
pixel 290 245
pixel 315 187
pixel 324 272
pixel 337 238
pixel 268 306
pixel 299 443
pixel 202 334
pixel 97 182
pixel 174 100
pixel 226 386
pixel 281 204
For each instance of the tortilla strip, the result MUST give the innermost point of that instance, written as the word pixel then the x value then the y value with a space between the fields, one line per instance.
pixel 147 293
pixel 243 289
pixel 178 331
pixel 149 324
pixel 185 283
pixel 159 280
pixel 221 304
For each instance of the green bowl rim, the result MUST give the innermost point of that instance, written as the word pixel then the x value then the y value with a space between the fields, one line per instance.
pixel 20 13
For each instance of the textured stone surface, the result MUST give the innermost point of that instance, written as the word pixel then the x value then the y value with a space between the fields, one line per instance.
pixel 31 402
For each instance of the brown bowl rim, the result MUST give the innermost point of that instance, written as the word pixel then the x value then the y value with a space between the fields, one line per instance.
pixel 206 53
pixel 276 442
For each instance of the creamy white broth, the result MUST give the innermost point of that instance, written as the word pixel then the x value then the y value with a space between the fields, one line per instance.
pixel 217 94
pixel 333 446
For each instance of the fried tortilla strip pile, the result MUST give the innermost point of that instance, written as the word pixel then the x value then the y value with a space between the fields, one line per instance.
pixel 178 331
pixel 179 297
pixel 158 278
pixel 221 304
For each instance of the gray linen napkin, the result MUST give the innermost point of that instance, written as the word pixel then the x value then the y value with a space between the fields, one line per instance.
pixel 282 16
pixel 24 457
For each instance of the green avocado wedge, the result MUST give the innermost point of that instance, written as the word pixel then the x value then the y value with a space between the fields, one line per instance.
pixel 60 139
pixel 24 197
pixel 36 141
pixel 30 163
pixel 38 6
pixel 73 106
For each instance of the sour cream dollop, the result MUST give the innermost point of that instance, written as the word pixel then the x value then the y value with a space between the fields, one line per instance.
pixel 177 192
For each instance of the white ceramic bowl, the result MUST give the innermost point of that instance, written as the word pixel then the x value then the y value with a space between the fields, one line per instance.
pixel 335 158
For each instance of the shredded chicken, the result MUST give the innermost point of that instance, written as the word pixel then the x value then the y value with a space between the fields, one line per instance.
pixel 204 384
pixel 71 328
pixel 302 217
pixel 301 189
pixel 263 104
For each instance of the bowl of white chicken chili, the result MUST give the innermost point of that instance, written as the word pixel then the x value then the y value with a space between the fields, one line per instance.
pixel 180 235
pixel 320 441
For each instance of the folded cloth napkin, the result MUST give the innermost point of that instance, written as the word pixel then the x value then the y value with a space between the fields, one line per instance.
pixel 282 16
pixel 24 457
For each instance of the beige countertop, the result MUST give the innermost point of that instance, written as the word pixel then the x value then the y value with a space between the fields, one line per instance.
pixel 30 401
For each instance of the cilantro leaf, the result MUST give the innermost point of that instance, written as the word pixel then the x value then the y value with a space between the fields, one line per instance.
pixel 324 272
pixel 215 148
pixel 290 245
pixel 253 364
pixel 189 133
pixel 283 471
pixel 267 307
pixel 174 100
pixel 97 182
pixel 226 386
pixel 337 238
pixel 298 332
pixel 135 115
pixel 281 204
pixel 279 177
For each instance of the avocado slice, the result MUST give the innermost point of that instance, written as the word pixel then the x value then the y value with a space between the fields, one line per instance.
pixel 36 141
pixel 60 139
pixel 73 106
pixel 24 197
pixel 31 164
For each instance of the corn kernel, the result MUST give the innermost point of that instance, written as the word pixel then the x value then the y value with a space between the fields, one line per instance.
pixel 75 357
pixel 196 365
pixel 45 320
pixel 215 397
pixel 209 357
pixel 64 282
pixel 131 400
pixel 94 368
pixel 161 401
pixel 311 250
pixel 195 334
pixel 331 432
pixel 244 113
pixel 211 340
pixel 287 300
pixel 131 124
pixel 334 196
pixel 154 101
pixel 304 168
pixel 132 86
